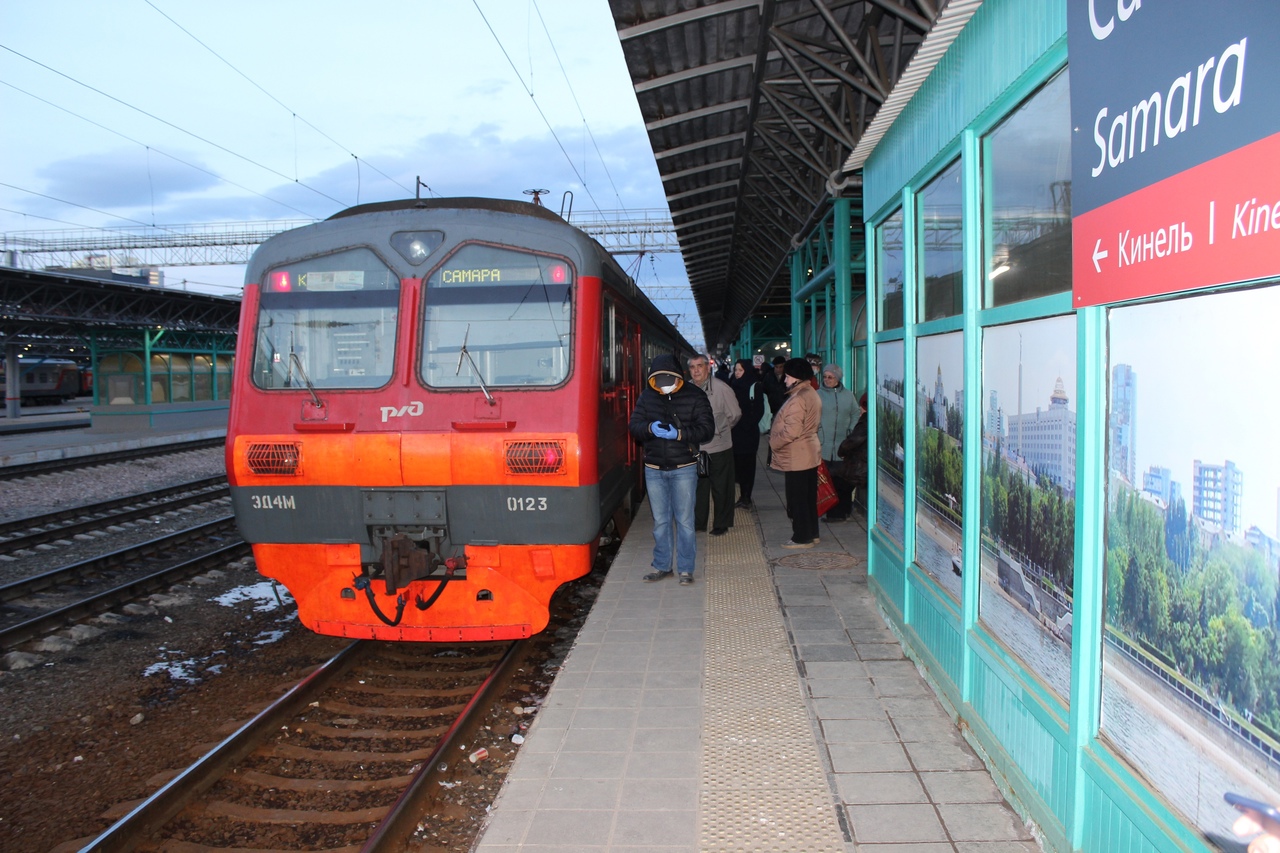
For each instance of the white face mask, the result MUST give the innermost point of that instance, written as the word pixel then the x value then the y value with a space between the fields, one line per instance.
pixel 668 387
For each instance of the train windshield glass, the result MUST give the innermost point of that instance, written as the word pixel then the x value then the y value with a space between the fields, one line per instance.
pixel 328 321
pixel 497 317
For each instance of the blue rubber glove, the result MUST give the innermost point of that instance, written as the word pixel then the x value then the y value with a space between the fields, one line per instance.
pixel 661 430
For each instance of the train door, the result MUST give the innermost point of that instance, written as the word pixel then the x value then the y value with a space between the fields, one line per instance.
pixel 613 406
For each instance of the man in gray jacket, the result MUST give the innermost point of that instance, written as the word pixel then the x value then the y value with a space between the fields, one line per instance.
pixel 725 409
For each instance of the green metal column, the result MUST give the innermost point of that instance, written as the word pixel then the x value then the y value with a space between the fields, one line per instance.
pixel 797 308
pixel 971 495
pixel 842 351
pixel 910 268
pixel 1090 557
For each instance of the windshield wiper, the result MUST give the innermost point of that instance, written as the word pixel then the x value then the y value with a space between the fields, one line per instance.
pixel 302 371
pixel 463 352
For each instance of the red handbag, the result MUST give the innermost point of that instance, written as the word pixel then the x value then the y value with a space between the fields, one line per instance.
pixel 826 489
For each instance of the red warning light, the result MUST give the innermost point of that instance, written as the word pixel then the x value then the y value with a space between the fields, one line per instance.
pixel 279 281
pixel 551 457
pixel 559 274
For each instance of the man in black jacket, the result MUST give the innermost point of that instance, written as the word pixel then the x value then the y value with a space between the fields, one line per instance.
pixel 671 418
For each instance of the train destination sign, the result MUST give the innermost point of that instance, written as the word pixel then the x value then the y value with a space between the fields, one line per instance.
pixel 1176 135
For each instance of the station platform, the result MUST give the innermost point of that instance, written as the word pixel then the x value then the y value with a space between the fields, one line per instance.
pixel 767 707
pixel 65 436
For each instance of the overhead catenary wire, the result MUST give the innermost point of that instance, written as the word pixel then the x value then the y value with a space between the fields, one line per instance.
pixel 160 152
pixel 285 106
pixel 537 106
pixel 574 95
pixel 170 124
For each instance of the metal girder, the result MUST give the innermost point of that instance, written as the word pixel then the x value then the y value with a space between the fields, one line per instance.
pixel 41 308
pixel 821 70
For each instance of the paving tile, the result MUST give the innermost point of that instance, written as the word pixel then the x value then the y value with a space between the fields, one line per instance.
pixel 664 827
pixel 933 847
pixel 857 688
pixel 997 847
pixel 590 794
pixel 550 826
pixel 829 652
pixel 901 687
pixel 663 765
pixel 659 794
pixel 847 708
pixel 589 765
pixel 879 651
pixel 859 731
pixel 868 757
pixel 926 730
pixel 943 756
pixel 961 786
pixel 895 824
pixel 982 822
pixel 864 788
pixel 924 706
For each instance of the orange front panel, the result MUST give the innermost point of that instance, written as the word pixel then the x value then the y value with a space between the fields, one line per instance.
pixel 504 595
pixel 367 459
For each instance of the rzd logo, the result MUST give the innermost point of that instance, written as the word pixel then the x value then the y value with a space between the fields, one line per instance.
pixel 412 410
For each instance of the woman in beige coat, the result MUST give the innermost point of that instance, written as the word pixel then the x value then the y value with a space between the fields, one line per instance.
pixel 797 451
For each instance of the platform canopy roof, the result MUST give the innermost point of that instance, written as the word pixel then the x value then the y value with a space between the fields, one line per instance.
pixel 50 312
pixel 753 108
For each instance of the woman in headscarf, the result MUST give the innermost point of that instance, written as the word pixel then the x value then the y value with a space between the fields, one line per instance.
pixel 749 389
pixel 839 413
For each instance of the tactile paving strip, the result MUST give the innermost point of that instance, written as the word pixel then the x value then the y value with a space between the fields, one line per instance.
pixel 763 784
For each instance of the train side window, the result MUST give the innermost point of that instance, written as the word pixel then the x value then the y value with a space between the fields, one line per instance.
pixel 608 371
pixel 511 310
pixel 328 320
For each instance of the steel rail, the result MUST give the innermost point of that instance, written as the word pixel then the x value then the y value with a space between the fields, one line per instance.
pixel 45 528
pixel 53 577
pixel 55 619
pixel 161 807
pixel 44 466
pixel 406 812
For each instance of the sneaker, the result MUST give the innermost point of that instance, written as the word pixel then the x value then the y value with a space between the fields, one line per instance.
pixel 791 543
pixel 719 531
pixel 686 580
pixel 656 576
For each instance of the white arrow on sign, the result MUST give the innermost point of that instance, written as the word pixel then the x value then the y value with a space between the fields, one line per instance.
pixel 1098 253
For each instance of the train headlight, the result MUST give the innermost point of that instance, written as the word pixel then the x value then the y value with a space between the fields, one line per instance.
pixel 283 459
pixel 535 457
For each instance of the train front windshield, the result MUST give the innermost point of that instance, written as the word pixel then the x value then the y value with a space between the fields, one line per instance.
pixel 329 322
pixel 497 317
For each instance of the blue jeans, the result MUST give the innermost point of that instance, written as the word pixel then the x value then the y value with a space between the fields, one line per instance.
pixel 671 497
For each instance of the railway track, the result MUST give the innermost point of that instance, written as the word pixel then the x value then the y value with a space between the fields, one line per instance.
pixel 32 621
pixel 20 533
pixel 93 460
pixel 348 759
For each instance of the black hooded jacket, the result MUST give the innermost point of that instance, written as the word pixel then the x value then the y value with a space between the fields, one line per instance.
pixel 687 409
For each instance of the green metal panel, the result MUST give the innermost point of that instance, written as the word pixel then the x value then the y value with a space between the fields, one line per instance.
pixel 1002 40
pixel 935 621
pixel 1120 816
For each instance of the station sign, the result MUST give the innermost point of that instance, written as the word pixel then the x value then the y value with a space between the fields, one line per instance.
pixel 1175 152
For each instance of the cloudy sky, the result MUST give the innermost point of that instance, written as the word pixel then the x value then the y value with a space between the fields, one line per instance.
pixel 157 112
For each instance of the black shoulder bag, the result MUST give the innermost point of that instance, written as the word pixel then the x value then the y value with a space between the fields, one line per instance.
pixel 704 458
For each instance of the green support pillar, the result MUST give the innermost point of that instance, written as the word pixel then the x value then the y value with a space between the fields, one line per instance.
pixel 797 308
pixel 842 350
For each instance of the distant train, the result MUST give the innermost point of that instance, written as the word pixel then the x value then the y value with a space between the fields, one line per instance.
pixel 428 430
pixel 47 380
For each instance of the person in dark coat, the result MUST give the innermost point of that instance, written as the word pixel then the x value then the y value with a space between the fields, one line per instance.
pixel 774 386
pixel 749 390
pixel 853 456
pixel 671 419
